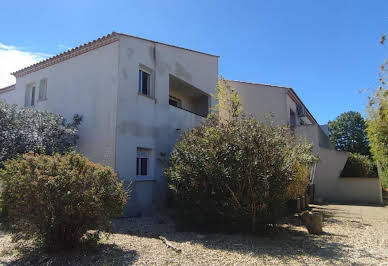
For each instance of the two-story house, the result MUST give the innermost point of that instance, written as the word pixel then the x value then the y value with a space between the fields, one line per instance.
pixel 136 96
pixel 287 108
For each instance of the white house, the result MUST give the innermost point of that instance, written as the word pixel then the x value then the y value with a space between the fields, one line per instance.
pixel 135 95
pixel 287 109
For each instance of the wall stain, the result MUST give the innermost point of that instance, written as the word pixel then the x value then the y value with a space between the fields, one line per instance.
pixel 124 72
pixel 162 67
pixel 180 71
pixel 129 52
pixel 152 53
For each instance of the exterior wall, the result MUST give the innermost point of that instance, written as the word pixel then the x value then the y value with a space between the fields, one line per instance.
pixel 356 190
pixel 151 122
pixel 261 100
pixel 327 173
pixel 87 85
pixel 291 105
pixel 8 95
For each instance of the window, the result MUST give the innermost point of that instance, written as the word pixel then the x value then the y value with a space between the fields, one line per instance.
pixel 144 83
pixel 29 99
pixel 292 119
pixel 143 162
pixel 43 90
pixel 174 101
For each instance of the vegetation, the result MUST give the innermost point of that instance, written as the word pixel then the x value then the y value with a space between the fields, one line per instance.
pixel 28 129
pixel 377 123
pixel 57 199
pixel 234 171
pixel 348 133
pixel 359 165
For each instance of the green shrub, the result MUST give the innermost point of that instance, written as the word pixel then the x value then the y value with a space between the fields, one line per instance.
pixel 28 129
pixel 57 199
pixel 298 185
pixel 359 165
pixel 233 172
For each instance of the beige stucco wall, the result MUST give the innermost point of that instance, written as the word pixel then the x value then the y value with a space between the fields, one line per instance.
pixel 356 190
pixel 153 123
pixel 86 85
pixel 261 100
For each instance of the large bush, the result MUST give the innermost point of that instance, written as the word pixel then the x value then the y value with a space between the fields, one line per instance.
pixel 56 199
pixel 234 171
pixel 28 129
pixel 359 165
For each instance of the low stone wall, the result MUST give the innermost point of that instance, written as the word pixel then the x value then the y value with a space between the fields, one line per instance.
pixel 355 190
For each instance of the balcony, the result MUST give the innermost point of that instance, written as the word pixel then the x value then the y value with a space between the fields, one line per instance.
pixel 185 96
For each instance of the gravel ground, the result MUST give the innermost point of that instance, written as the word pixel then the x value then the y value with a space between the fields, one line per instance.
pixel 353 235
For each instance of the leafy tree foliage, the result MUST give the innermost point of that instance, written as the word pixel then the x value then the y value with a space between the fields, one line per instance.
pixel 234 171
pixel 359 165
pixel 377 122
pixel 348 133
pixel 28 129
pixel 57 199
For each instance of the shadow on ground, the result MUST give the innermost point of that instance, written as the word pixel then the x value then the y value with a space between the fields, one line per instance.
pixel 288 240
pixel 103 254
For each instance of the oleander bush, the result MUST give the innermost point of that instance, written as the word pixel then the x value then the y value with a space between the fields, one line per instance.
pixel 56 199
pixel 234 172
pixel 359 165
pixel 24 129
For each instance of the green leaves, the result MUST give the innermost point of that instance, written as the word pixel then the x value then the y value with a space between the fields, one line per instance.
pixel 236 171
pixel 28 129
pixel 56 199
pixel 348 133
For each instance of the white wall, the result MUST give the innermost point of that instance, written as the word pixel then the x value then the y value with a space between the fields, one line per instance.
pixel 86 85
pixel 356 190
pixel 153 123
pixel 8 96
pixel 260 100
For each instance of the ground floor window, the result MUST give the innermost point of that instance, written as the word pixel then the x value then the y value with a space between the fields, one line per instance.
pixel 143 162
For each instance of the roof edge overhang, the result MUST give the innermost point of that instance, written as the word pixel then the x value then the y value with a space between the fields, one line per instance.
pixel 84 48
pixel 290 92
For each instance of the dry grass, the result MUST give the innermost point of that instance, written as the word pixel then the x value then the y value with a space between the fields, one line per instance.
pixel 354 235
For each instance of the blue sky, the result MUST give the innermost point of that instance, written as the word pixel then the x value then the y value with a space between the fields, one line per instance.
pixel 326 50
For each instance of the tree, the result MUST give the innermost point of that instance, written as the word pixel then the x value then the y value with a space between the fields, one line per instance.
pixel 234 171
pixel 348 133
pixel 28 129
pixel 377 122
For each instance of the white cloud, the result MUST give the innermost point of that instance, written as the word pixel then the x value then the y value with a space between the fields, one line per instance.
pixel 12 59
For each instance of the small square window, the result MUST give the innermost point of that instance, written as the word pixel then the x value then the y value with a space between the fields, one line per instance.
pixel 144 83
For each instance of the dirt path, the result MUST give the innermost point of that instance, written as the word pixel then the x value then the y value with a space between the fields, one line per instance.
pixel 354 235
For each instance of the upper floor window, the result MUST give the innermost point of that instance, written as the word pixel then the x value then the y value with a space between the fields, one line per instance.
pixel 292 118
pixel 144 82
pixel 43 90
pixel 29 97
